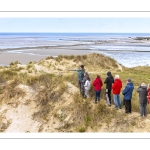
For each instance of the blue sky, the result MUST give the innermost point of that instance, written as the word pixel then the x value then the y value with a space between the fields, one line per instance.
pixel 110 25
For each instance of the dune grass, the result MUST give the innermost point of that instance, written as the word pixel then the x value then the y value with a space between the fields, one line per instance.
pixel 51 87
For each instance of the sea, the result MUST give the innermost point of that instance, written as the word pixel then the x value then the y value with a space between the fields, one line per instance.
pixel 129 54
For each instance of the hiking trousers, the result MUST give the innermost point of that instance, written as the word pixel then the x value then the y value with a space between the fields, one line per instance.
pixel 97 95
pixel 81 87
pixel 87 93
pixel 108 96
pixel 143 109
pixel 117 101
pixel 127 106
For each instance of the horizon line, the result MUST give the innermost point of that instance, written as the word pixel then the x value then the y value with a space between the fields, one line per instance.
pixel 75 32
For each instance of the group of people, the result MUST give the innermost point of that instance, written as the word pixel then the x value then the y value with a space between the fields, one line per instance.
pixel 114 84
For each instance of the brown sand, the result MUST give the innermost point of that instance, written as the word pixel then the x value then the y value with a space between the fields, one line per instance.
pixel 36 55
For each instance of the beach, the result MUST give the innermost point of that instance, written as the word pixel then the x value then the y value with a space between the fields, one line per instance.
pixel 35 55
pixel 41 86
pixel 124 49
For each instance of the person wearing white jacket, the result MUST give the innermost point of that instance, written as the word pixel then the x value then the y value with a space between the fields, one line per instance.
pixel 87 87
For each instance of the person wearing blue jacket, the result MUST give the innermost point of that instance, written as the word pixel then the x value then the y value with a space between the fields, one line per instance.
pixel 127 92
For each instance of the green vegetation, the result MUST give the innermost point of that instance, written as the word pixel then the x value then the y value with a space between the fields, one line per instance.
pixel 52 89
pixel 14 63
pixel 142 38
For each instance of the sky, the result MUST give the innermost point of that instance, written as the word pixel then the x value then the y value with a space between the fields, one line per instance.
pixel 90 25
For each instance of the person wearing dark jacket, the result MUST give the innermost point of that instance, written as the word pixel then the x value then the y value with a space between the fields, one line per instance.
pixel 97 83
pixel 127 92
pixel 108 81
pixel 116 87
pixel 142 90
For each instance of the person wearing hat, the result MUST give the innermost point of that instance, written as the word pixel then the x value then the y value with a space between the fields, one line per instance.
pixel 127 93
pixel 142 90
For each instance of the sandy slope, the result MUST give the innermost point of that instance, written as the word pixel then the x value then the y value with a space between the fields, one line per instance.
pixel 17 113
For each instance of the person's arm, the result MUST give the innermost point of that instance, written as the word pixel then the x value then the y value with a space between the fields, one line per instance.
pixel 83 80
pixel 106 80
pixel 114 86
pixel 85 84
pixel 75 70
pixel 94 83
pixel 139 89
pixel 113 80
pixel 125 90
pixel 82 74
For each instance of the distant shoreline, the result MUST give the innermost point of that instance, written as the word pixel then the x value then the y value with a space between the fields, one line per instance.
pixel 126 50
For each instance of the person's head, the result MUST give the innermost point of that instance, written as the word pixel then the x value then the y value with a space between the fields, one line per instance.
pixel 116 76
pixel 85 74
pixel 129 80
pixel 98 76
pixel 81 67
pixel 143 84
pixel 108 73
pixel 87 78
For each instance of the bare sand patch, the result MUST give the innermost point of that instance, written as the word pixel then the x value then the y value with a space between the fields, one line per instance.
pixel 37 55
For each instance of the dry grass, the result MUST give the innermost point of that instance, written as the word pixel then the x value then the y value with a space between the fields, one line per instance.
pixel 91 61
pixel 12 90
pixel 51 92
pixel 85 114
pixel 3 123
pixel 14 63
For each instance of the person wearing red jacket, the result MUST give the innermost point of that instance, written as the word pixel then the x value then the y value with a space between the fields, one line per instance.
pixel 148 93
pixel 97 83
pixel 116 91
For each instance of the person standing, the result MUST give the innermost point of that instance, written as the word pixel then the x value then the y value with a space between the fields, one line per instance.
pixel 81 72
pixel 108 81
pixel 84 78
pixel 142 90
pixel 87 87
pixel 116 87
pixel 97 83
pixel 127 92
pixel 148 93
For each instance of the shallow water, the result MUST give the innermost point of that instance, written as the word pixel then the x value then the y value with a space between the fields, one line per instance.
pixel 130 55
pixel 129 59
pixel 123 50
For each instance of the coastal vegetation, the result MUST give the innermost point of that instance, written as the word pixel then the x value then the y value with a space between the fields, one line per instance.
pixel 45 96
pixel 142 38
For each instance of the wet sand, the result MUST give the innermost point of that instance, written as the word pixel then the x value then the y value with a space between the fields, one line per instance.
pixel 25 50
pixel 36 55
pixel 28 49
